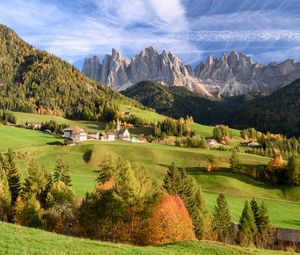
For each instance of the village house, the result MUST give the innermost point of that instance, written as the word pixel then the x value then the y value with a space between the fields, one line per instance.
pixel 77 134
pixel 107 136
pixel 93 135
pixel 253 144
pixel 212 142
pixel 33 125
pixel 122 133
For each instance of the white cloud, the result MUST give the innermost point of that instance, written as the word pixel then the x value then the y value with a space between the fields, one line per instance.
pixel 245 35
pixel 133 24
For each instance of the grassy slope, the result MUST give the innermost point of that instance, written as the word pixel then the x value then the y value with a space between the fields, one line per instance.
pixel 202 130
pixel 20 240
pixel 22 118
pixel 157 158
pixel 16 138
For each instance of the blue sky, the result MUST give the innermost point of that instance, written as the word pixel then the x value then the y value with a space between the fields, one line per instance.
pixel 269 30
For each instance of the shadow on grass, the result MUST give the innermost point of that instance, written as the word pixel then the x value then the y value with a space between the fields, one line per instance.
pixel 55 143
pixel 87 156
pixel 222 171
pixel 225 172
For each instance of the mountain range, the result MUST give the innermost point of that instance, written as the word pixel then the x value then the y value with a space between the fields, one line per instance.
pixel 231 75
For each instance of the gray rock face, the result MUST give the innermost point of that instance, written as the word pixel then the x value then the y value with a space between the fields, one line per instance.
pixel 235 74
pixel 119 73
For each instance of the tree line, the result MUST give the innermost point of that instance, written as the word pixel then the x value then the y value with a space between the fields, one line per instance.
pixel 278 170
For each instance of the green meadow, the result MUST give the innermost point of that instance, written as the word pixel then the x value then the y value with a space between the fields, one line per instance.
pixel 23 117
pixel 21 240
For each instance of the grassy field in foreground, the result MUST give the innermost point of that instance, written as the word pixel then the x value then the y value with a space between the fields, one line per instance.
pixel 21 240
pixel 84 159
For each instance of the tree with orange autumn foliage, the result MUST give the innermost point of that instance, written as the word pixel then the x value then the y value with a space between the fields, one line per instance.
pixel 276 169
pixel 169 222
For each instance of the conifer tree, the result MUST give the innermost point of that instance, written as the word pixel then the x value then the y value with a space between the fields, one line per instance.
pixel 128 185
pixel 255 209
pixel 36 181
pixel 5 197
pixel 173 180
pixel 247 226
pixel 61 172
pixel 13 176
pixel 177 182
pixel 263 221
pixel 235 163
pixel 293 170
pixel 106 170
pixel 264 233
pixel 221 218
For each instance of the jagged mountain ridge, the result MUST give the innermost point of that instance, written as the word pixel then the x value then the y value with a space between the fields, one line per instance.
pixel 231 75
pixel 236 74
pixel 120 73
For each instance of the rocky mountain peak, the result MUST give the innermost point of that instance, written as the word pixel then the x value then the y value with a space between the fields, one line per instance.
pixel 232 74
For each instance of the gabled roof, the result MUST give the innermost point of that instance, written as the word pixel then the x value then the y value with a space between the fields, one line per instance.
pixel 122 131
pixel 33 123
pixel 77 130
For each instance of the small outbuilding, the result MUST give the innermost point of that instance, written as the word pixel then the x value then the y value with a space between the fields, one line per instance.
pixel 33 125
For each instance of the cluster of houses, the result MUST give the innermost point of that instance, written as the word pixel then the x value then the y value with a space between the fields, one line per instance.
pixel 73 135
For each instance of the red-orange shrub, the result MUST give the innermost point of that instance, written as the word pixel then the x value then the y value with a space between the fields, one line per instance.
pixel 169 222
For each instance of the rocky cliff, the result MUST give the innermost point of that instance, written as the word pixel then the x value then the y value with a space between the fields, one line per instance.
pixel 235 74
pixel 120 73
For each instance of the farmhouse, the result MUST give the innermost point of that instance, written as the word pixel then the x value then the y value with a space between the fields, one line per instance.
pixel 107 137
pixel 77 134
pixel 253 144
pixel 212 142
pixel 33 125
pixel 93 135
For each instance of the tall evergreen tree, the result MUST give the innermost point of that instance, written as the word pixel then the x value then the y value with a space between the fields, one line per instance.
pixel 221 218
pixel 264 233
pixel 5 197
pixel 173 180
pixel 36 181
pixel 13 176
pixel 106 170
pixel 293 170
pixel 61 172
pixel 263 221
pixel 255 209
pixel 177 182
pixel 247 226
pixel 235 163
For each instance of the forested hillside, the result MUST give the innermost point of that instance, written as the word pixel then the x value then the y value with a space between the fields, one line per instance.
pixel 277 113
pixel 32 80
pixel 179 101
